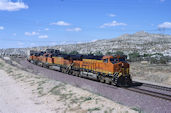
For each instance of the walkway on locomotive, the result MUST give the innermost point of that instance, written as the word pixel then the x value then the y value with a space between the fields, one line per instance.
pixel 107 65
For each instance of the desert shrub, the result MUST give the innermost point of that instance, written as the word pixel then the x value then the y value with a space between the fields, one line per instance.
pixel 146 55
pixel 74 53
pixel 108 53
pixel 153 61
pixel 120 53
pixel 63 52
pixel 161 60
pixel 98 53
pixel 135 56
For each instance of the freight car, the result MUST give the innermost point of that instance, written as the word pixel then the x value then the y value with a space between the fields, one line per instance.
pixel 107 69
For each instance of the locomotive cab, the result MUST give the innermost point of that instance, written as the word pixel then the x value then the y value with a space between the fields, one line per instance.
pixel 120 71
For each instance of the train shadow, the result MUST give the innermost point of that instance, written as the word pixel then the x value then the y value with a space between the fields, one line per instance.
pixel 136 84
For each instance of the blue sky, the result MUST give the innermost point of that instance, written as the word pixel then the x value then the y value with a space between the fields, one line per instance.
pixel 30 23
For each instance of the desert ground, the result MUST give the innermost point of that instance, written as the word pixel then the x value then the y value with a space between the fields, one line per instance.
pixel 156 73
pixel 25 92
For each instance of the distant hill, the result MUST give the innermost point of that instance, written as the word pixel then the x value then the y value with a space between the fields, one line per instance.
pixel 141 42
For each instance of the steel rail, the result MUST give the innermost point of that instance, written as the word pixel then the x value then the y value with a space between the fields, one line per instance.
pixel 150 93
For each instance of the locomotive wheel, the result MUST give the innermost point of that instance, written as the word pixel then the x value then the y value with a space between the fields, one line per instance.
pixel 128 82
pixel 98 79
pixel 62 70
pixel 43 65
pixel 65 71
pixel 47 66
pixel 108 81
pixel 102 79
pixel 74 73
pixel 78 74
pixel 120 81
pixel 70 72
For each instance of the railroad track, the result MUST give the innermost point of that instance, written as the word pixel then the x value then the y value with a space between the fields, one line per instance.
pixel 157 87
pixel 150 93
pixel 137 88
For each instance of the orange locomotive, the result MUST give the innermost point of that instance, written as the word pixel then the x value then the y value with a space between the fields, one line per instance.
pixel 108 69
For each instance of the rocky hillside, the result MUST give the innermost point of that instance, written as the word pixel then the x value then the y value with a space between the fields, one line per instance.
pixel 141 42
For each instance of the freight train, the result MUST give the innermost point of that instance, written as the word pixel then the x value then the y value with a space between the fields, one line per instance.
pixel 107 69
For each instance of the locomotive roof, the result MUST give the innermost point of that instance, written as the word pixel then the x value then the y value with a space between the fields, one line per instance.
pixel 57 53
pixel 105 57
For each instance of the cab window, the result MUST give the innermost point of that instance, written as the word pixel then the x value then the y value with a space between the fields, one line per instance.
pixel 105 60
pixel 121 59
pixel 113 60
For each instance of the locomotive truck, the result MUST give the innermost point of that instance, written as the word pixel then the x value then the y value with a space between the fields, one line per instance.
pixel 107 69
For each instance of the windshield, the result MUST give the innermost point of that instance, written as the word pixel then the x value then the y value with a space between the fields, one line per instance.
pixel 122 59
pixel 115 60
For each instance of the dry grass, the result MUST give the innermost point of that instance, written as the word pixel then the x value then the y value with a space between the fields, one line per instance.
pixel 149 72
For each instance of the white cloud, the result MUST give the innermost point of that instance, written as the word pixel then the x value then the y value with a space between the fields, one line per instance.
pixel 46 29
pixel 112 15
pixel 77 29
pixel 61 23
pixel 1 28
pixel 112 24
pixel 165 25
pixel 43 29
pixel 31 33
pixel 14 34
pixel 6 5
pixel 43 36
pixel 162 0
